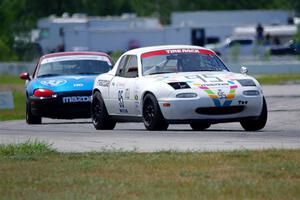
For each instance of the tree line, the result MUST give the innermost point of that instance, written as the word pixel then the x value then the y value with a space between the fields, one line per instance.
pixel 17 17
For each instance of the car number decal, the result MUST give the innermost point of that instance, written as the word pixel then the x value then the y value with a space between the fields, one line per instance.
pixel 221 95
pixel 122 108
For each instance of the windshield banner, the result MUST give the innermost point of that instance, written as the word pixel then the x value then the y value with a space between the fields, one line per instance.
pixel 177 51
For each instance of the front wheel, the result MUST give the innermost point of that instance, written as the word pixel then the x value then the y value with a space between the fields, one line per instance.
pixel 100 115
pixel 152 116
pixel 259 123
pixel 30 118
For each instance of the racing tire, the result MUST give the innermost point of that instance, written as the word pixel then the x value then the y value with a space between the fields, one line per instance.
pixel 259 123
pixel 30 118
pixel 198 126
pixel 99 114
pixel 152 116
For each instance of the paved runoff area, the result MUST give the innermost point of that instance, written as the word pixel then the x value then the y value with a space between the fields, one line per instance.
pixel 282 131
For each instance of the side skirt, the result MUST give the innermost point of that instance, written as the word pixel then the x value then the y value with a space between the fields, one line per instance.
pixel 126 118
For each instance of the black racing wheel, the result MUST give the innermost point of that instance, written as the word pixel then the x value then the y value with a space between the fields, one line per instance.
pixel 100 115
pixel 259 123
pixel 30 118
pixel 152 116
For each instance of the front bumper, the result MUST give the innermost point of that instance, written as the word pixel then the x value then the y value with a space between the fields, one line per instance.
pixel 59 108
pixel 203 108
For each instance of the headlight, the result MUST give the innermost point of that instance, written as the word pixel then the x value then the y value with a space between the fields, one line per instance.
pixel 246 82
pixel 186 95
pixel 251 93
pixel 179 85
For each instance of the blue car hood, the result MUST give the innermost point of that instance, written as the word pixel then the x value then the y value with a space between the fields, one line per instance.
pixel 65 83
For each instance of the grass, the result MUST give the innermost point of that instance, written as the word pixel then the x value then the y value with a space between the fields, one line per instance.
pixel 28 148
pixel 9 79
pixel 38 172
pixel 277 78
pixel 16 85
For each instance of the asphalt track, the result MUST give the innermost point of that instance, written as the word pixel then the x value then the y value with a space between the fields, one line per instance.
pixel 281 131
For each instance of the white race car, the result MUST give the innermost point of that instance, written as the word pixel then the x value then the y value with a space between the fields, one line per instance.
pixel 176 84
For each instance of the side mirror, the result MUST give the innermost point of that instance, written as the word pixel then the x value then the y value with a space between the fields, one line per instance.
pixel 25 76
pixel 244 70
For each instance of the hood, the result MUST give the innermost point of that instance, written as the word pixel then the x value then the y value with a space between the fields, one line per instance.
pixel 196 79
pixel 65 83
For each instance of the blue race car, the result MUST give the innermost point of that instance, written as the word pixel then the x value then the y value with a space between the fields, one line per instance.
pixel 61 85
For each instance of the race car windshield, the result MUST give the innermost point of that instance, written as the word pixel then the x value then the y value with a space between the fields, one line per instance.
pixel 73 67
pixel 181 62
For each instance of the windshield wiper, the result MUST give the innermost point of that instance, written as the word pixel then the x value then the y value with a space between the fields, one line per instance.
pixel 204 70
pixel 45 75
pixel 89 73
pixel 163 72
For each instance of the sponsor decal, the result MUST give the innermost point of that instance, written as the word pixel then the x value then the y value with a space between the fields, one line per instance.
pixel 78 85
pixel 217 98
pixel 242 102
pixel 76 99
pixel 136 97
pixel 123 110
pixel 177 51
pixel 54 83
pixel 211 84
pixel 183 51
pixel 137 107
pixel 127 93
pixel 103 83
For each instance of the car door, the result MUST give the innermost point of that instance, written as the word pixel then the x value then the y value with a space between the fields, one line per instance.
pixel 123 88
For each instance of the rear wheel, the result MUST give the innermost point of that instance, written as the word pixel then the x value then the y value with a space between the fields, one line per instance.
pixel 30 118
pixel 259 123
pixel 198 126
pixel 100 115
pixel 152 116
